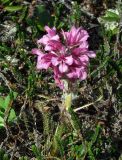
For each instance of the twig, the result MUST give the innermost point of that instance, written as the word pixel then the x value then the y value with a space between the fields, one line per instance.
pixel 13 150
pixel 48 98
pixel 87 105
pixel 35 131
pixel 5 80
pixel 23 106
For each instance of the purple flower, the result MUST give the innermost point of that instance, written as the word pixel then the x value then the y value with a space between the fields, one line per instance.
pixel 43 60
pixel 76 36
pixel 77 73
pixel 68 58
pixel 51 35
pixel 53 45
pixel 62 62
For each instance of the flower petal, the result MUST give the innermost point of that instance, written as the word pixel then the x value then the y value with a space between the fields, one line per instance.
pixel 53 45
pixel 83 75
pixel 76 36
pixel 58 82
pixel 84 58
pixel 37 52
pixel 84 45
pixel 63 68
pixel 42 64
pixel 50 31
pixel 54 61
pixel 48 48
pixel 91 54
pixel 44 40
pixel 56 38
pixel 77 51
pixel 69 60
pixel 72 75
pixel 84 35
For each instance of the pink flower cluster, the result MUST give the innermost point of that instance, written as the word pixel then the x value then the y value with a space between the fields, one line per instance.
pixel 66 53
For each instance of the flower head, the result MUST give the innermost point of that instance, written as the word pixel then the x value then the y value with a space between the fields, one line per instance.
pixel 51 35
pixel 69 58
pixel 76 36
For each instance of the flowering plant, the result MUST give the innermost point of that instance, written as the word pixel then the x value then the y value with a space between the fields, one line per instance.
pixel 66 54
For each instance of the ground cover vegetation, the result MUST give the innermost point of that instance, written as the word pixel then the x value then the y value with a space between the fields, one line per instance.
pixel 34 123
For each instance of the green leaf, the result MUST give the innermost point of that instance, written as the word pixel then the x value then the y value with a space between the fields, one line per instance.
pixel 112 14
pixel 13 8
pixel 90 153
pixel 5 157
pixel 103 64
pixel 7 101
pixel 36 152
pixel 1 125
pixel 12 115
pixel 23 158
pixel 1 87
pixel 1 102
pixel 1 153
pixel 1 113
pixel 14 95
pixel 110 19
pixel 61 25
pixel 94 137
pixel 5 1
pixel 1 122
pixel 23 14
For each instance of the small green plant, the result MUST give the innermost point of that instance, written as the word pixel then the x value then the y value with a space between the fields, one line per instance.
pixel 23 158
pixel 111 21
pixel 3 155
pixel 37 152
pixel 7 113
